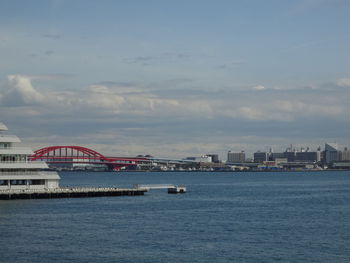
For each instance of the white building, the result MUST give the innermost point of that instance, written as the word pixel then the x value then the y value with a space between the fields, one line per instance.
pixel 17 172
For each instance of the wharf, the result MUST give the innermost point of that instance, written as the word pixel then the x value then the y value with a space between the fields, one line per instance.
pixel 69 192
pixel 172 189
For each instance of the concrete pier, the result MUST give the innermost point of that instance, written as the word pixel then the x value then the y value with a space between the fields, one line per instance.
pixel 69 192
pixel 172 189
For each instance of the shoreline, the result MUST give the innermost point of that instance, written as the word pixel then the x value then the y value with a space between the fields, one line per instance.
pixel 198 171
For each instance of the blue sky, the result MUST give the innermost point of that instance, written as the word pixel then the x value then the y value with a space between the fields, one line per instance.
pixel 176 78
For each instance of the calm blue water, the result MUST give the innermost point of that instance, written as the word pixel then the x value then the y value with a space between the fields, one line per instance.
pixel 224 217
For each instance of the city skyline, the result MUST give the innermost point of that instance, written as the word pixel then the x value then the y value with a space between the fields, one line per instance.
pixel 176 79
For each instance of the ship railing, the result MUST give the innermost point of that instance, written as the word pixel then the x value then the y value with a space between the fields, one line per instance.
pixel 28 173
pixel 14 148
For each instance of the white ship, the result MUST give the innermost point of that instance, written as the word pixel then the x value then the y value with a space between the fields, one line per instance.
pixel 17 172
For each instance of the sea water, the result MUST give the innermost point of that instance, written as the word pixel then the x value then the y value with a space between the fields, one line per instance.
pixel 223 217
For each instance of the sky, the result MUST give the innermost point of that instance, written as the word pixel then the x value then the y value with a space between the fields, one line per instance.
pixel 176 78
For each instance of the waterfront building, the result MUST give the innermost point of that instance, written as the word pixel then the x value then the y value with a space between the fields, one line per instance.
pixel 308 156
pixel 344 155
pixel 275 156
pixel 17 172
pixel 214 157
pixel 236 157
pixel 331 152
pixel 290 155
pixel 260 157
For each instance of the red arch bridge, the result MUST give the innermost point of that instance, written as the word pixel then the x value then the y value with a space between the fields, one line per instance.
pixel 60 156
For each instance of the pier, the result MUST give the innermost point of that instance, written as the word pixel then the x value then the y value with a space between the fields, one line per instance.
pixel 70 192
pixel 172 189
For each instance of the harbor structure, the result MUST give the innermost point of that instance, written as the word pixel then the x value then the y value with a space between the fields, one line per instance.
pixel 17 171
pixel 172 189
pixel 23 178
pixel 70 192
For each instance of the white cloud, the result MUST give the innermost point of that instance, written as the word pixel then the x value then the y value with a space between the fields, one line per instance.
pixel 343 82
pixel 130 100
pixel 250 113
pixel 21 92
pixel 259 87
pixel 136 119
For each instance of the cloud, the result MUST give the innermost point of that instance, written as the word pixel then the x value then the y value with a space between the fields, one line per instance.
pixel 49 77
pixel 128 118
pixel 250 113
pixel 49 52
pixel 232 64
pixel 117 83
pixel 52 36
pixel 160 58
pixel 115 98
pixel 259 87
pixel 21 92
pixel 343 82
pixel 144 60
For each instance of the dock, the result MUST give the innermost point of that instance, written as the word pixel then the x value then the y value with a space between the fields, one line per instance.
pixel 172 189
pixel 70 192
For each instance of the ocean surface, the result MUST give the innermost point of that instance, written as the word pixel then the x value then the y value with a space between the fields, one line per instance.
pixel 223 217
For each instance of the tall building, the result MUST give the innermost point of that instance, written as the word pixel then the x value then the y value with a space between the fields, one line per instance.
pixel 17 172
pixel 344 155
pixel 236 157
pixel 260 157
pixel 331 152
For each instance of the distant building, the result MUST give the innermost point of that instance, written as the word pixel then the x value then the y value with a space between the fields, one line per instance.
pixel 214 157
pixel 290 155
pixel 236 157
pixel 275 156
pixel 331 152
pixel 297 156
pixel 308 156
pixel 344 155
pixel 260 157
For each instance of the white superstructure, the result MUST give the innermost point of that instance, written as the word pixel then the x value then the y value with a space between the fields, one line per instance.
pixel 17 172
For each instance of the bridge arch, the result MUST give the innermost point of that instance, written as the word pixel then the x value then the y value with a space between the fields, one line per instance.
pixel 63 152
pixel 78 154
